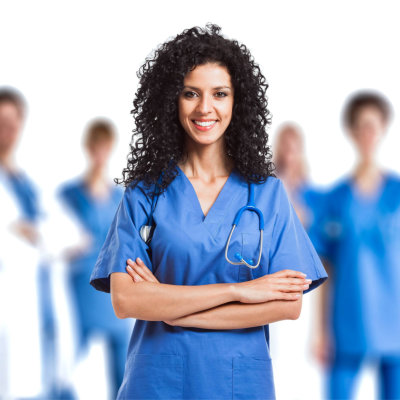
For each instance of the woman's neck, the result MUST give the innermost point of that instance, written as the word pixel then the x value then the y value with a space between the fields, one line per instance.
pixel 96 182
pixel 292 178
pixel 206 162
pixel 367 176
pixel 7 161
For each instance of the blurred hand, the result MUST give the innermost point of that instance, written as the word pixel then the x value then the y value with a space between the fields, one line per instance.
pixel 322 348
pixel 282 285
pixel 26 231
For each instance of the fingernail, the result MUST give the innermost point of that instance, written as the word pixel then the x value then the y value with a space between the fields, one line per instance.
pixel 305 286
pixel 140 260
pixel 297 295
pixel 303 274
pixel 130 268
pixel 129 260
pixel 308 280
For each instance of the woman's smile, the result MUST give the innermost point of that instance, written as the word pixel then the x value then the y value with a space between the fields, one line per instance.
pixel 204 124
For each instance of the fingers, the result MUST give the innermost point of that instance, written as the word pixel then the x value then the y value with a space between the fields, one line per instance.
pixel 141 269
pixel 292 284
pixel 292 281
pixel 133 274
pixel 287 296
pixel 290 273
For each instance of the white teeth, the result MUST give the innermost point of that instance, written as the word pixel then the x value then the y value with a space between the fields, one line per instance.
pixel 205 123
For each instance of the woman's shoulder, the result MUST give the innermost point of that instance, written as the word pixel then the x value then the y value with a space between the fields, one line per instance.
pixel 70 187
pixel 271 193
pixel 392 177
pixel 138 192
pixel 272 185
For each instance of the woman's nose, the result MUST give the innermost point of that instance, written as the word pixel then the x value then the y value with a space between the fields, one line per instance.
pixel 205 105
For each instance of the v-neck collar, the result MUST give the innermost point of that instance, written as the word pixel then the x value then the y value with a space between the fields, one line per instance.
pixel 219 203
pixel 214 218
pixel 368 198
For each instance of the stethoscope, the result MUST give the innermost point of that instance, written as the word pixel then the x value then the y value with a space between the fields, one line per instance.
pixel 146 230
pixel 250 206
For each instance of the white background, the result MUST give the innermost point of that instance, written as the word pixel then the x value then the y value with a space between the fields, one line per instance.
pixel 77 60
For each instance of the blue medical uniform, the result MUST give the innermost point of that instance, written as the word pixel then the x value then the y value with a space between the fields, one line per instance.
pixel 94 311
pixel 173 362
pixel 309 198
pixel 25 194
pixel 359 236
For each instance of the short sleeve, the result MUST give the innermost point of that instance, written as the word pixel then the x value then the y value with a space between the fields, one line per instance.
pixel 123 240
pixel 291 248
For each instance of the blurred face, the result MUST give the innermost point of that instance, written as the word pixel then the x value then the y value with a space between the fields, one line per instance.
pixel 291 149
pixel 99 152
pixel 10 125
pixel 367 131
pixel 206 102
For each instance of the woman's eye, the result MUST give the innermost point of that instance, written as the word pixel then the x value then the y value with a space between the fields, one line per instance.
pixel 221 94
pixel 190 94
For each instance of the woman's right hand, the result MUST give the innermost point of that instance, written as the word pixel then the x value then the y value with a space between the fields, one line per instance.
pixel 282 285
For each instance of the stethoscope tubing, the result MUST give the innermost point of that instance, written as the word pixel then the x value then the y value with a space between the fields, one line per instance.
pixel 249 207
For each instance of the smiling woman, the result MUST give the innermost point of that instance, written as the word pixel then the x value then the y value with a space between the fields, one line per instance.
pixel 202 324
pixel 207 108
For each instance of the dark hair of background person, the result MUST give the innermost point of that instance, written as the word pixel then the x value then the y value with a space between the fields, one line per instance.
pixel 98 130
pixel 361 99
pixel 159 144
pixel 9 94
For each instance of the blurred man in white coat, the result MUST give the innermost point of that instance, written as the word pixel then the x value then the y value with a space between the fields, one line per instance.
pixel 20 314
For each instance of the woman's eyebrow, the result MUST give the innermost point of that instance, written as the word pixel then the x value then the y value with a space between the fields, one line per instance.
pixel 214 88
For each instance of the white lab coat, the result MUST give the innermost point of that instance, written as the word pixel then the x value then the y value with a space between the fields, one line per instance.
pixel 20 334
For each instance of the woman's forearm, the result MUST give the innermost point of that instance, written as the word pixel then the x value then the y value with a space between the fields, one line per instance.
pixel 159 302
pixel 238 315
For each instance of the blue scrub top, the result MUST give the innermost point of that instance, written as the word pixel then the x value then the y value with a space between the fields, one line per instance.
pixel 310 198
pixel 360 237
pixel 25 194
pixel 95 215
pixel 188 249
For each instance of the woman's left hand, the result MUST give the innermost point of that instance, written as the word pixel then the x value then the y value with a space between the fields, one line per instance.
pixel 139 272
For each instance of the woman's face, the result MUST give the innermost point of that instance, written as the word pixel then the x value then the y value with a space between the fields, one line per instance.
pixel 99 152
pixel 290 148
pixel 367 131
pixel 206 102
pixel 10 125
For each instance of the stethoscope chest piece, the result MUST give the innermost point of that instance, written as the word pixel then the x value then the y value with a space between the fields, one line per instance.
pixel 144 232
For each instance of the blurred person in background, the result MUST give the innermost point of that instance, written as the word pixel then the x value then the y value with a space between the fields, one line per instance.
pixel 291 167
pixel 26 316
pixel 92 201
pixel 358 237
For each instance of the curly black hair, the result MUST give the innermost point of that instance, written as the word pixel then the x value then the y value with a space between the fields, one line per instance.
pixel 160 135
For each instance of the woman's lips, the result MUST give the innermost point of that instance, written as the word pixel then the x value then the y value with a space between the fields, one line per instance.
pixel 206 124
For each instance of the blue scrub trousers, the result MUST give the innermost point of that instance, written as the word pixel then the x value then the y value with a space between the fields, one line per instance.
pixel 344 370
